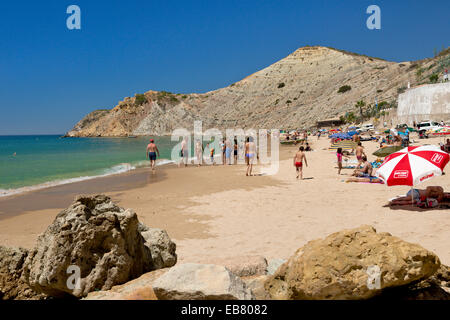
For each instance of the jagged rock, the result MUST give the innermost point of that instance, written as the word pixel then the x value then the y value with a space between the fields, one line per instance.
pixel 256 285
pixel 242 266
pixel 95 235
pixel 192 281
pixel 338 266
pixel 442 276
pixel 160 245
pixel 274 264
pixel 11 284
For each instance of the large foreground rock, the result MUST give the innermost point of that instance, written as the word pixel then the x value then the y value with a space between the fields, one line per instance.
pixel 100 238
pixel 11 284
pixel 137 289
pixel 193 281
pixel 338 266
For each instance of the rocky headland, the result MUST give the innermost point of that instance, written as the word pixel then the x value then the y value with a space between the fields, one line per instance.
pixel 310 84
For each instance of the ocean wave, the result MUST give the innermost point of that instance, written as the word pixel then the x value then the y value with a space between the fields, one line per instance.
pixel 116 169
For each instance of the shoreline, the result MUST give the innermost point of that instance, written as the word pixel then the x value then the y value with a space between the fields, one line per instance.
pixel 216 212
pixel 4 193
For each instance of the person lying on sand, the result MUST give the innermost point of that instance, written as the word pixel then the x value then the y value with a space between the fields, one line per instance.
pixel 418 195
pixel 368 179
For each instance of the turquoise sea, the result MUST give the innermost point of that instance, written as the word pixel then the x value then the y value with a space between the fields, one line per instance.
pixel 28 162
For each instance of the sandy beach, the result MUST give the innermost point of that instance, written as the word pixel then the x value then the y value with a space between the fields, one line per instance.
pixel 215 212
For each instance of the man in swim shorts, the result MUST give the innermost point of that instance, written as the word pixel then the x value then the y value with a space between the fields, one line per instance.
pixel 151 152
pixel 298 162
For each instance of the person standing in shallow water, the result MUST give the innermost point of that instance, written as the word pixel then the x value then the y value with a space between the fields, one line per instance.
pixel 151 152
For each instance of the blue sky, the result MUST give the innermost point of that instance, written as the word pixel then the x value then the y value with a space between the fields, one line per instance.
pixel 50 76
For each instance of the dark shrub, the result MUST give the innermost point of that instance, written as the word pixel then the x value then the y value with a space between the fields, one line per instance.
pixel 344 89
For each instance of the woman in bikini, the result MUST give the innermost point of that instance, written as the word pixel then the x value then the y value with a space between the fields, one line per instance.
pixel 249 155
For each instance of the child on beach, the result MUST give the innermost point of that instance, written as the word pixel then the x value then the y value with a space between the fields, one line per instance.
pixel 211 154
pixel 339 155
pixel 298 162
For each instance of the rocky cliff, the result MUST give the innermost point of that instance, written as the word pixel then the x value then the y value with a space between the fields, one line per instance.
pixel 294 92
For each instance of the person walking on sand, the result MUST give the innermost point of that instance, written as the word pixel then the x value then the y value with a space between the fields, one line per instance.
pixel 359 154
pixel 249 155
pixel 298 162
pixel 199 152
pixel 151 152
pixel 184 153
pixel 339 159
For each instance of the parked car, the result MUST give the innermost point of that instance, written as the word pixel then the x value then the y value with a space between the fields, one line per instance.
pixel 366 127
pixel 427 125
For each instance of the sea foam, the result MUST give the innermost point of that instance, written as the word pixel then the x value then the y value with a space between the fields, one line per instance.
pixel 116 169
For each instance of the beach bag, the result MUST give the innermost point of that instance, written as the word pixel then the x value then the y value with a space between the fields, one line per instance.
pixel 432 203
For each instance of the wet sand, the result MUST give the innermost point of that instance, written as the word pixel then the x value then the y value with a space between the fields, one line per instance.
pixel 157 197
pixel 218 212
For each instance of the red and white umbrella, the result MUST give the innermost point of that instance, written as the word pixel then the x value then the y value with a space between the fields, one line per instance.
pixel 412 165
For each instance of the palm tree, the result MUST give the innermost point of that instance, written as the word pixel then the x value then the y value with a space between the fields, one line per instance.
pixel 360 104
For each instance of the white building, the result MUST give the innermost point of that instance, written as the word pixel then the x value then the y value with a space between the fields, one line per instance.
pixel 427 102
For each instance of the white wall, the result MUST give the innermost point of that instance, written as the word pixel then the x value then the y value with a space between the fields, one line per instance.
pixel 427 102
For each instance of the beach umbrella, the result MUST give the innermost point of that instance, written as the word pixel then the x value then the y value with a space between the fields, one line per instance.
pixel 412 165
pixel 344 144
pixel 341 135
pixel 383 152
